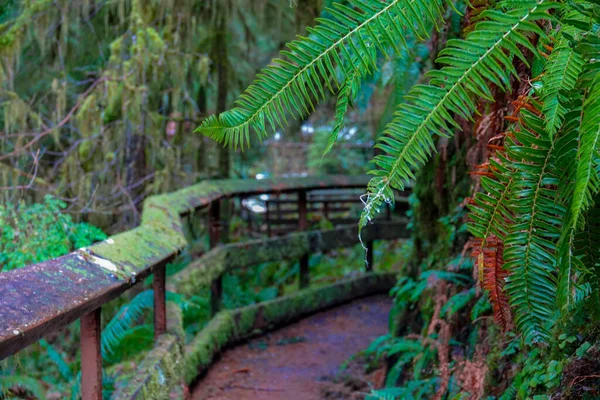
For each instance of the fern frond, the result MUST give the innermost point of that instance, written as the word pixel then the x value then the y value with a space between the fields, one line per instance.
pixel 586 244
pixel 530 246
pixel 489 253
pixel 566 159
pixel 469 65
pixel 584 167
pixel 346 94
pixel 560 76
pixel 489 211
pixel 119 325
pixel 588 156
pixel 349 41
pixel 457 302
pixel 22 382
pixel 58 359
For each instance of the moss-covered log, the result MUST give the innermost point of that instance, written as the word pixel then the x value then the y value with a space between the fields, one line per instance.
pixel 213 264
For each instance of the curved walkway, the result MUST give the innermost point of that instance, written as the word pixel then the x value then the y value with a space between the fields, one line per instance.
pixel 290 363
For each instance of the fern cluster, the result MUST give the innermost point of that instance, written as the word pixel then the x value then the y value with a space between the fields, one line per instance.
pixel 533 220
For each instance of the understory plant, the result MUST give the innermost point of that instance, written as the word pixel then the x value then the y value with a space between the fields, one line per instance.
pixel 40 231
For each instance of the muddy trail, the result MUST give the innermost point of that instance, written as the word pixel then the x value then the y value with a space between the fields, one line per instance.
pixel 302 361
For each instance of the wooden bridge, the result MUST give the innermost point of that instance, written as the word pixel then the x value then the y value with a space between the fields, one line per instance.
pixel 40 299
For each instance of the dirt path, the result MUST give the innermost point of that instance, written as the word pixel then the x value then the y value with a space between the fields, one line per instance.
pixel 290 363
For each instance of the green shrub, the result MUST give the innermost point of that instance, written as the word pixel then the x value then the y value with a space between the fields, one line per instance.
pixel 41 231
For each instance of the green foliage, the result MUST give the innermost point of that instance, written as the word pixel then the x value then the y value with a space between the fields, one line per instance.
pixel 22 382
pixel 470 65
pixel 562 71
pixel 530 252
pixel 527 213
pixel 38 232
pixel 349 42
pixel 415 389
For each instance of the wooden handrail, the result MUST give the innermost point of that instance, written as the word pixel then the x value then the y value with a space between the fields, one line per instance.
pixel 42 298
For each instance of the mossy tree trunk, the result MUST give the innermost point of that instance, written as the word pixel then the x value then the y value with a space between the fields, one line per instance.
pixel 222 66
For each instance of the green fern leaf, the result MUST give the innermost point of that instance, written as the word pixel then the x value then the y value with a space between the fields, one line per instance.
pixel 562 71
pixel 490 214
pixel 588 156
pixel 344 97
pixel 586 244
pixel 584 170
pixel 530 246
pixel 119 325
pixel 22 382
pixel 469 65
pixel 349 41
pixel 569 264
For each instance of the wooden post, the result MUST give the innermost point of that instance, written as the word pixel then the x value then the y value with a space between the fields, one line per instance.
pixel 268 217
pixel 216 287
pixel 160 301
pixel 91 359
pixel 304 278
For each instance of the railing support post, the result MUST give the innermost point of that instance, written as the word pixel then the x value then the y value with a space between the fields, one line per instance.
pixel 370 255
pixel 304 278
pixel 91 359
pixel 268 217
pixel 160 301
pixel 216 287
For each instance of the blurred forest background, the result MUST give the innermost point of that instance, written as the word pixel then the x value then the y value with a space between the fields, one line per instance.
pixel 100 99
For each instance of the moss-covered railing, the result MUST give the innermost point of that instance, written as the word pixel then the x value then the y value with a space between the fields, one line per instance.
pixel 40 299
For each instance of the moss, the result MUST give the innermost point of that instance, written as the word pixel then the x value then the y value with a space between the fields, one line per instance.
pixel 245 321
pixel 139 248
pixel 175 322
pixel 159 373
pixel 157 210
pixel 200 273
pixel 200 353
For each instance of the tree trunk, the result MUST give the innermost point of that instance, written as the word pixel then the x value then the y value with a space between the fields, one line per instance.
pixel 306 12
pixel 220 56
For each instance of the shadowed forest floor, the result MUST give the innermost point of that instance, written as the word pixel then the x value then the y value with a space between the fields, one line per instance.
pixel 301 361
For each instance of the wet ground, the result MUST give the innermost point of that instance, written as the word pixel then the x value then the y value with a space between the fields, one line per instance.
pixel 298 362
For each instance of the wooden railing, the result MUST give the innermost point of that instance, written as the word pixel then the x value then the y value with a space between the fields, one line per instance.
pixel 40 299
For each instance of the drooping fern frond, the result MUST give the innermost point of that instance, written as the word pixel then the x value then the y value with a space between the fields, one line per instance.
pixel 130 313
pixel 489 210
pixel 530 247
pixel 489 253
pixel 470 65
pixel 569 262
pixel 347 93
pixel 586 247
pixel 588 157
pixel 583 168
pixel 560 76
pixel 292 86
